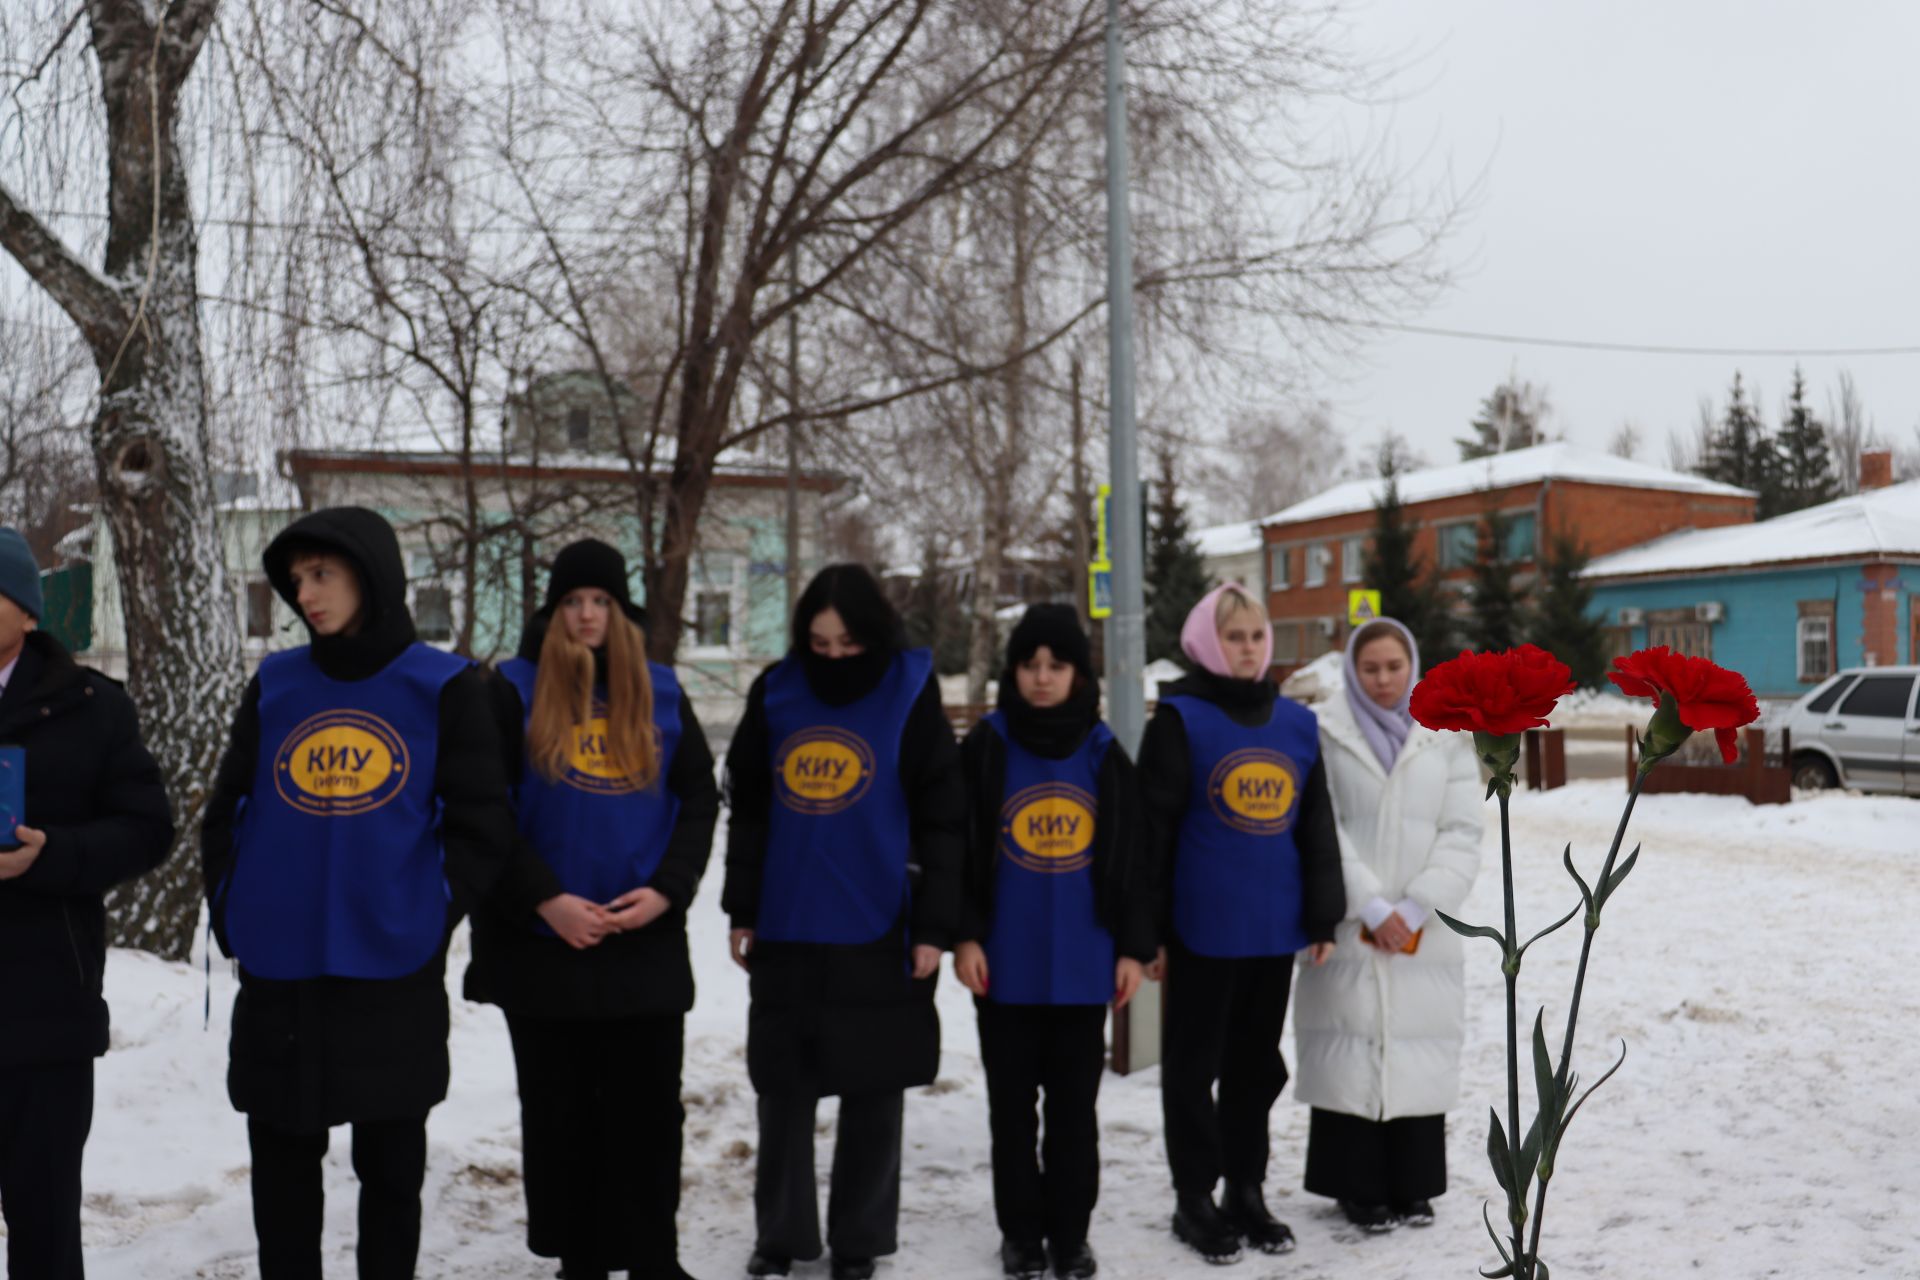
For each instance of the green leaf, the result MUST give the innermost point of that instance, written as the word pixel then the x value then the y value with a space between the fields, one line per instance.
pixel 1530 1152
pixel 1539 1270
pixel 1549 929
pixel 1500 1155
pixel 1619 874
pixel 1546 1082
pixel 1473 930
pixel 1586 894
pixel 1498 1243
pixel 1567 1121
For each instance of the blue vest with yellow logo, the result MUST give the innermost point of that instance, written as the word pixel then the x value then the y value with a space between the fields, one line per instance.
pixel 840 836
pixel 601 834
pixel 1236 873
pixel 337 868
pixel 1045 944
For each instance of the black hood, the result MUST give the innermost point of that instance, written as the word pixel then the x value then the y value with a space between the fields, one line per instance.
pixel 534 633
pixel 365 539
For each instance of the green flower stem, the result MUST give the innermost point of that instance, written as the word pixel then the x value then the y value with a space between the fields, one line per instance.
pixel 1510 966
pixel 1579 986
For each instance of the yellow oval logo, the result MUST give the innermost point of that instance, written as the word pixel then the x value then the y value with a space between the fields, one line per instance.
pixel 1254 791
pixel 823 770
pixel 341 763
pixel 1048 828
pixel 589 767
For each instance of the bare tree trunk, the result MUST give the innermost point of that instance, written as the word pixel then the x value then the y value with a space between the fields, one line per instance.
pixel 149 435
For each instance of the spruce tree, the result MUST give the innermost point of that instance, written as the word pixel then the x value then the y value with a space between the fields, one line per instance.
pixel 1498 620
pixel 1393 569
pixel 1741 453
pixel 1806 476
pixel 933 619
pixel 1561 622
pixel 1176 576
pixel 1509 419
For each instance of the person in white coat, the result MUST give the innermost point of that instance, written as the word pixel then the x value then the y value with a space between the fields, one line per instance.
pixel 1379 1026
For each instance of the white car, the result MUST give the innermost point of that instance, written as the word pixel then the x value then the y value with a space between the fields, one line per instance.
pixel 1860 729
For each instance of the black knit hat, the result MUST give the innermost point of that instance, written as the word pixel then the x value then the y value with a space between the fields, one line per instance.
pixel 1057 626
pixel 589 563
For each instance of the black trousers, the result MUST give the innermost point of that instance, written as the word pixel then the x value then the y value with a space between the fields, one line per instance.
pixel 1376 1161
pixel 863 1198
pixel 389 1158
pixel 1058 1050
pixel 1221 1025
pixel 46 1112
pixel 600 1124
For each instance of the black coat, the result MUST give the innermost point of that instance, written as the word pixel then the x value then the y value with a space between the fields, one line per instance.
pixel 1166 786
pixel 323 1051
pixel 627 974
pixel 830 1019
pixel 1123 872
pixel 96 792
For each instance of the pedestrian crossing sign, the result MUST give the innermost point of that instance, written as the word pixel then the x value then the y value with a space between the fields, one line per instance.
pixel 1362 607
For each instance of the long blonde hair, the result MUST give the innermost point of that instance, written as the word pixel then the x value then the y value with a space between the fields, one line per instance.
pixel 563 701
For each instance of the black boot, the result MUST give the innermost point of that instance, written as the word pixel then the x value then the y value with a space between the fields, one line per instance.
pixel 574 1269
pixel 1023 1259
pixel 852 1268
pixel 1247 1211
pixel 1199 1223
pixel 1374 1219
pixel 1415 1213
pixel 763 1263
pixel 1074 1262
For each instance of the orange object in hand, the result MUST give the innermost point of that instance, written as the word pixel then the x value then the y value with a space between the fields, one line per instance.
pixel 1413 943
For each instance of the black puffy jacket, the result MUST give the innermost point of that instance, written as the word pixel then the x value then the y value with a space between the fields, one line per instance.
pixel 323 1051
pixel 96 792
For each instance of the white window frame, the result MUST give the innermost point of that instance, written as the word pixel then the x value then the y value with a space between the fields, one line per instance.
pixel 1804 633
pixel 1318 556
pixel 735 587
pixel 247 586
pixel 1353 551
pixel 415 587
pixel 1280 566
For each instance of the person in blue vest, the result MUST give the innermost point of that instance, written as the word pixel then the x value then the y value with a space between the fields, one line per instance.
pixel 360 805
pixel 1245 837
pixel 843 866
pixel 1059 923
pixel 617 802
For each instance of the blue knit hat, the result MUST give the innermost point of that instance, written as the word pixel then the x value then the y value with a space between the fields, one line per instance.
pixel 19 575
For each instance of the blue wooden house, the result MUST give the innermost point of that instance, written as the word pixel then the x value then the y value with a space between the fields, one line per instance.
pixel 1786 601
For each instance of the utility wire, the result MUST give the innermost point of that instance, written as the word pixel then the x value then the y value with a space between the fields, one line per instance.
pixel 1638 348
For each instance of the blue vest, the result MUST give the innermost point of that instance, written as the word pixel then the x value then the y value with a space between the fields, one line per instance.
pixel 840 836
pixel 337 860
pixel 601 834
pixel 1236 873
pixel 1045 944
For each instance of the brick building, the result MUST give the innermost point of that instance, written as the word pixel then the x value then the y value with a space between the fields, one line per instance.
pixel 1786 602
pixel 1315 549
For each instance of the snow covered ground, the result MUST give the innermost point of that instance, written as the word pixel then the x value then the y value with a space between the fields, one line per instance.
pixel 1759 964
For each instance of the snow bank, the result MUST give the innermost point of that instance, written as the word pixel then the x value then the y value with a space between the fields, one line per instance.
pixel 1763 1123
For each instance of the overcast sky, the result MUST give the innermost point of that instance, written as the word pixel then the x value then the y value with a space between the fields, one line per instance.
pixel 1689 173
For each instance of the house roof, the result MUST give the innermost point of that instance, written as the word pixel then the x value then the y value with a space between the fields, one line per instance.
pixel 1221 540
pixel 560 467
pixel 1872 525
pixel 1560 460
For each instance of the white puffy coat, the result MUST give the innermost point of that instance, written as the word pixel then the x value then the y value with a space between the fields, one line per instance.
pixel 1379 1036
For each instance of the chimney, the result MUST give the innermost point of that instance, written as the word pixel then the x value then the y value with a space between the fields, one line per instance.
pixel 1876 468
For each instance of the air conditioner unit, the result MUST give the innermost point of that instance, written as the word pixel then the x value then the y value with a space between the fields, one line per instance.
pixel 1709 611
pixel 1632 617
pixel 1329 626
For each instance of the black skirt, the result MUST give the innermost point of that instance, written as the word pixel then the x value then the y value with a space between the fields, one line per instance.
pixel 1376 1161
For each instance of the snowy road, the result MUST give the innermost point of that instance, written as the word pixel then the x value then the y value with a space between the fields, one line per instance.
pixel 1760 965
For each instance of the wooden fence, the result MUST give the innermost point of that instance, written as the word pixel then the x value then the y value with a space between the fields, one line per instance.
pixel 1751 775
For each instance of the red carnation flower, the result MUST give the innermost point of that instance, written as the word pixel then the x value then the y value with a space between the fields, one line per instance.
pixel 1492 693
pixel 1705 695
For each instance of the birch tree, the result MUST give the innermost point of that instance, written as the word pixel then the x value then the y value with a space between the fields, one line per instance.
pixel 133 298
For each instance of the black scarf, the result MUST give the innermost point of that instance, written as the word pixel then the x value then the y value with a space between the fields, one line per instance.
pixel 1052 732
pixel 1239 698
pixel 840 682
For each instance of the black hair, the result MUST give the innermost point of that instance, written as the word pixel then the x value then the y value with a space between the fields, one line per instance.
pixel 851 591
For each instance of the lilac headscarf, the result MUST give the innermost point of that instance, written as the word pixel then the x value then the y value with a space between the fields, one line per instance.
pixel 1200 635
pixel 1385 728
